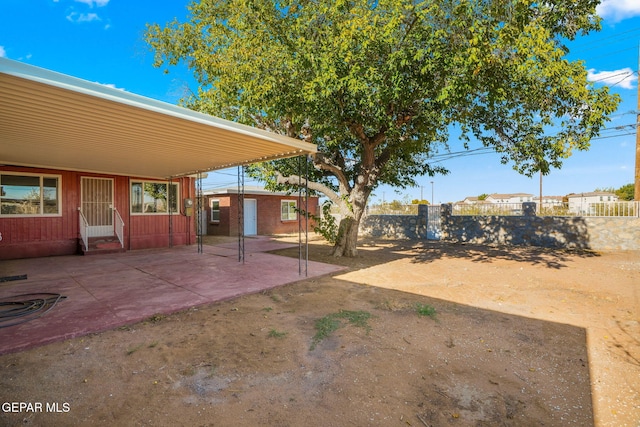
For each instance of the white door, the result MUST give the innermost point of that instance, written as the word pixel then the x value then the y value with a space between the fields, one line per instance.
pixel 97 205
pixel 250 217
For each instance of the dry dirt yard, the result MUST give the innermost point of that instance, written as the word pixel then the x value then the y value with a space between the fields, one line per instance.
pixel 427 334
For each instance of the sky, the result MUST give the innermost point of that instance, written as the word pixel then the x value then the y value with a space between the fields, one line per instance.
pixel 102 41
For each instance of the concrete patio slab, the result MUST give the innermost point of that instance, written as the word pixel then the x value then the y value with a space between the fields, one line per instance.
pixel 108 291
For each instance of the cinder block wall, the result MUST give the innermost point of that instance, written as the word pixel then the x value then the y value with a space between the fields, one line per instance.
pixel 596 233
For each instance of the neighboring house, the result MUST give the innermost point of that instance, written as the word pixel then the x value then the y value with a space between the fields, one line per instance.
pixel 583 203
pixel 509 198
pixel 550 202
pixel 498 198
pixel 83 162
pixel 470 200
pixel 265 212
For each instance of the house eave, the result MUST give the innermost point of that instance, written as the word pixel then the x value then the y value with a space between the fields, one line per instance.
pixel 52 120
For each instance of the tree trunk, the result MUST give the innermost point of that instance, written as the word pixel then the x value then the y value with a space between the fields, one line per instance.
pixel 347 241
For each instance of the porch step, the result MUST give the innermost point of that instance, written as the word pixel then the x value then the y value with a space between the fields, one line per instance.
pixel 102 245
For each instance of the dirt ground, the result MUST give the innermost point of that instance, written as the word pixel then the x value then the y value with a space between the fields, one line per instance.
pixel 427 334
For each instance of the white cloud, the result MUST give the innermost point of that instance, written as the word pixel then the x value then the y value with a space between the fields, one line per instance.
pixel 618 10
pixel 623 78
pixel 3 53
pixel 83 17
pixel 91 3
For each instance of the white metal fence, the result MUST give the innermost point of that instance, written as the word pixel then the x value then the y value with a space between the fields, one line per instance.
pixel 603 209
pixel 488 209
pixel 631 209
pixel 392 209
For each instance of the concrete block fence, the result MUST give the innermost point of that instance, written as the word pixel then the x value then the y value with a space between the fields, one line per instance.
pixel 595 233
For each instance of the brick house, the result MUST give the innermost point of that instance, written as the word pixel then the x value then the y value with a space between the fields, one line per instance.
pixel 83 162
pixel 265 212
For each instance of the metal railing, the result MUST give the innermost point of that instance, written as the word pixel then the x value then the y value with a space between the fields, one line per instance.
pixel 608 209
pixel 488 209
pixel 392 209
pixel 118 225
pixel 601 209
pixel 84 225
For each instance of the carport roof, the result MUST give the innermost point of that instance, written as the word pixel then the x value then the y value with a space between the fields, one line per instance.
pixel 52 120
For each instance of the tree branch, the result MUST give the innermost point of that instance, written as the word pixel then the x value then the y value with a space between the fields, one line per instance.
pixel 323 163
pixel 358 131
pixel 315 186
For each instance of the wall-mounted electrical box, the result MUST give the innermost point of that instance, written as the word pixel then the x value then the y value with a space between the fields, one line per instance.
pixel 188 207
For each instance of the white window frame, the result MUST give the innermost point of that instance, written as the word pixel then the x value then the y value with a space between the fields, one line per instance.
pixel 289 203
pixel 144 181
pixel 41 212
pixel 211 210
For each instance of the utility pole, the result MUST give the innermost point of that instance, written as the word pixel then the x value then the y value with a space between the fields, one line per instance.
pixel 636 193
pixel 431 193
pixel 540 201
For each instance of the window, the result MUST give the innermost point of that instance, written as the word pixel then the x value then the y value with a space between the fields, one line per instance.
pixel 288 210
pixel 29 194
pixel 215 210
pixel 153 197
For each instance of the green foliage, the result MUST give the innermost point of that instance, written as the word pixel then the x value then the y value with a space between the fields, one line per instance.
pixel 483 196
pixel 377 85
pixel 326 225
pixel 276 334
pixel 626 192
pixel 426 310
pixel 331 322
pixel 156 318
pixel 134 349
pixel 419 202
pixel 395 205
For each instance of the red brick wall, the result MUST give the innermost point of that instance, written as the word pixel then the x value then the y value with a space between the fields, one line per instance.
pixel 152 231
pixel 268 214
pixel 58 235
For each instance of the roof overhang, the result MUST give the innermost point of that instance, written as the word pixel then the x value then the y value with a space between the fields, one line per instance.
pixel 52 120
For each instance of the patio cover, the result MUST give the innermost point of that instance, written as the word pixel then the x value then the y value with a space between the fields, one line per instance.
pixel 52 120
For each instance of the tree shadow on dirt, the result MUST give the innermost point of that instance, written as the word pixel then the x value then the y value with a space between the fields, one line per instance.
pixel 430 251
pixel 373 252
pixel 426 251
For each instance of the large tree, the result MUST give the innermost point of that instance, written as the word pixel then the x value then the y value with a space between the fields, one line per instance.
pixel 378 85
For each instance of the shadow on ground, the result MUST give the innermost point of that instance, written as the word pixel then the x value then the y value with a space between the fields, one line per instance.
pixel 375 252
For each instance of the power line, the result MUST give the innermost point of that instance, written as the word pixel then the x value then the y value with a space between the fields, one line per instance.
pixel 625 78
pixel 607 54
pixel 612 136
pixel 605 41
pixel 619 128
pixel 627 74
pixel 635 113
